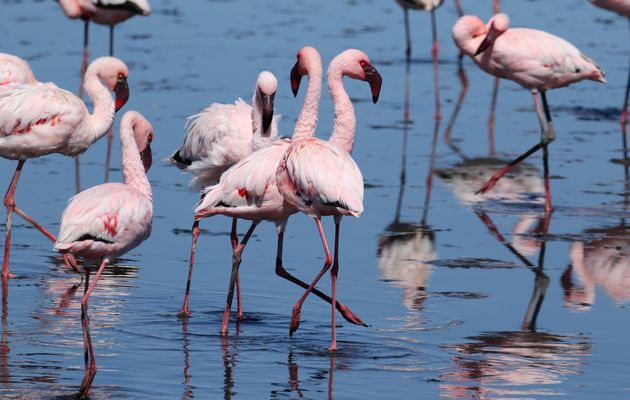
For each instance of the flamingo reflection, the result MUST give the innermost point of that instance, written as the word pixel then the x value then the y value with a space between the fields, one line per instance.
pixel 294 382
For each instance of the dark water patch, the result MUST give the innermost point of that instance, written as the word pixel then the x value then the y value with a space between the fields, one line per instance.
pixel 461 295
pixel 474 263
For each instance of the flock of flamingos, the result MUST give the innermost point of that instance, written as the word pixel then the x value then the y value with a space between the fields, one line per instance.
pixel 233 151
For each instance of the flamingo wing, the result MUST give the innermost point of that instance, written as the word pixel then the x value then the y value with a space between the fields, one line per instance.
pixel 105 213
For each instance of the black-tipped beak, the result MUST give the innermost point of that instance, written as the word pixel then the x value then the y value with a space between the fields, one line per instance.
pixel 147 157
pixel 488 41
pixel 267 110
pixel 122 93
pixel 296 77
pixel 374 79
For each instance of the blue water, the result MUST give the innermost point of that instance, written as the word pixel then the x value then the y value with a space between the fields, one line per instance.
pixel 447 302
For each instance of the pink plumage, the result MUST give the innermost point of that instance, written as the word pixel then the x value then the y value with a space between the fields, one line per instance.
pixel 36 120
pixel 106 221
pixel 223 134
pixel 14 72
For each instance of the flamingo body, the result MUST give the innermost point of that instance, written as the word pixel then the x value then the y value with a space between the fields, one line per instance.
pixel 223 134
pixel 105 12
pixel 334 187
pixel 427 5
pixel 534 59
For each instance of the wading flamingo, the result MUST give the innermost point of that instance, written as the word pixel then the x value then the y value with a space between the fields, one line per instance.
pixel 108 220
pixel 427 5
pixel 320 177
pixel 248 189
pixel 534 59
pixel 44 119
pixel 14 72
pixel 222 135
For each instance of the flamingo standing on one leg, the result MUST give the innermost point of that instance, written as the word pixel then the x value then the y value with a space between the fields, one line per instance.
pixel 427 5
pixel 44 119
pixel 222 135
pixel 534 59
pixel 248 189
pixel 14 72
pixel 102 12
pixel 320 177
pixel 108 220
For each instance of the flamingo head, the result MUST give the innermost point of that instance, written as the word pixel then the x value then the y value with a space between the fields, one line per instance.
pixel 497 25
pixel 306 57
pixel 356 64
pixel 266 87
pixel 113 73
pixel 143 135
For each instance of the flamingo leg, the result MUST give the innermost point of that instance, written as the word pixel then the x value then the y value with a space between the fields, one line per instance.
pixel 493 107
pixel 333 280
pixel 234 239
pixel 460 100
pixel 297 307
pixel 548 135
pixel 86 383
pixel 547 138
pixel 236 262
pixel 111 40
pixel 407 34
pixel 345 312
pixel 436 80
pixel 495 7
pixel 84 63
pixel 9 203
pixel 185 312
pixel 110 133
pixel 459 9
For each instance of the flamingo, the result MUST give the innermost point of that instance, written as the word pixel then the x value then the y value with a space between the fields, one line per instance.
pixel 320 177
pixel 44 119
pixel 248 189
pixel 108 220
pixel 14 72
pixel 534 59
pixel 223 134
pixel 427 5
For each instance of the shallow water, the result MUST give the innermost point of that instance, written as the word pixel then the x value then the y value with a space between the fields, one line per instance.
pixel 465 297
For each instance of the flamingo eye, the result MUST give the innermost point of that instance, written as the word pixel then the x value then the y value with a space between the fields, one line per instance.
pixel 363 63
pixel 121 75
pixel 150 137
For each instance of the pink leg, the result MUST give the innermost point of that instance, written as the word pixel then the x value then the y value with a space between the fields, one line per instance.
pixel 297 308
pixel 9 203
pixel 108 154
pixel 345 312
pixel 407 34
pixel 493 107
pixel 84 63
pixel 333 280
pixel 236 262
pixel 436 80
pixel 77 173
pixel 234 239
pixel 495 6
pixel 85 321
pixel 331 375
pixel 185 312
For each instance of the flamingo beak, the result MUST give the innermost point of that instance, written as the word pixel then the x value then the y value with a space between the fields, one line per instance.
pixel 296 77
pixel 147 157
pixel 267 110
pixel 374 79
pixel 488 41
pixel 122 93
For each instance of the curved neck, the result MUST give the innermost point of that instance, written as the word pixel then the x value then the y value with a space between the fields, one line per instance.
pixel 307 120
pixel 132 168
pixel 345 122
pixel 98 123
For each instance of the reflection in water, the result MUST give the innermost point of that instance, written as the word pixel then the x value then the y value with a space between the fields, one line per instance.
pixel 604 262
pixel 405 248
pixel 5 377
pixel 292 390
pixel 512 364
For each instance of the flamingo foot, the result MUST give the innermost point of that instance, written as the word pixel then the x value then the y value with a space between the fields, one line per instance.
pixel 9 276
pixel 333 346
pixel 224 324
pixel 349 315
pixel 184 313
pixel 86 383
pixel 295 320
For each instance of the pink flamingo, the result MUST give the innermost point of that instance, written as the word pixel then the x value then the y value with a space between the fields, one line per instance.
pixel 44 119
pixel 320 177
pixel 108 220
pixel 427 5
pixel 14 72
pixel 534 59
pixel 249 190
pixel 223 134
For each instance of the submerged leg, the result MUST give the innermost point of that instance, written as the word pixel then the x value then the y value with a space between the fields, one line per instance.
pixel 185 312
pixel 297 308
pixel 236 262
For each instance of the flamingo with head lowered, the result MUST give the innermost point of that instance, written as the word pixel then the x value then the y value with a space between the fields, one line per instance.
pixel 44 119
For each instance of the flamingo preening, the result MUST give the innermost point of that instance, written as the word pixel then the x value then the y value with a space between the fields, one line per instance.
pixel 44 119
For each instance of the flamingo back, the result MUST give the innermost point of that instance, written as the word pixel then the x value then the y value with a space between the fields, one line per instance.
pixel 14 72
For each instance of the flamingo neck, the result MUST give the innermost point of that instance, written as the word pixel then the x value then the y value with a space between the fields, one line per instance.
pixel 132 167
pixel 307 120
pixel 100 121
pixel 345 122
